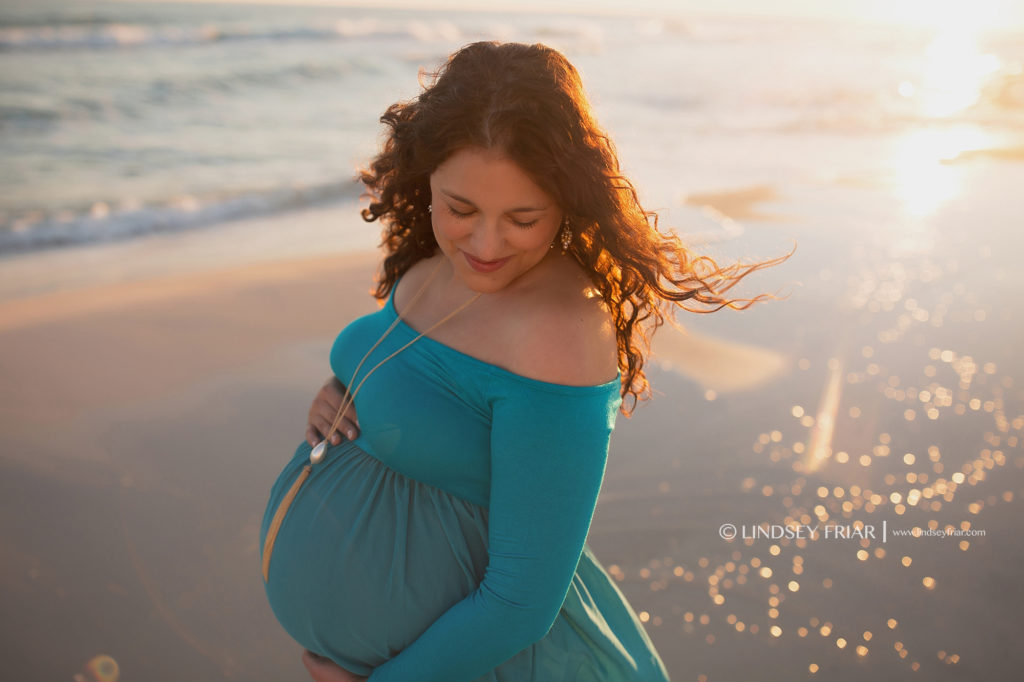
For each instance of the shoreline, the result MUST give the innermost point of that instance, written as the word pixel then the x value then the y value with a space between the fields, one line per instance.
pixel 311 232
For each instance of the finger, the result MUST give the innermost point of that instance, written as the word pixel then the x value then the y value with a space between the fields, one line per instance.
pixel 344 428
pixel 350 430
pixel 329 408
pixel 323 426
pixel 315 434
pixel 351 415
pixel 326 413
pixel 346 424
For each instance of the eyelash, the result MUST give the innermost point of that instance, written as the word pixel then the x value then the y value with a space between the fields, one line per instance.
pixel 525 226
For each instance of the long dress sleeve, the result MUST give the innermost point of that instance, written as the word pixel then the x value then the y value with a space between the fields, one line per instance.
pixel 549 447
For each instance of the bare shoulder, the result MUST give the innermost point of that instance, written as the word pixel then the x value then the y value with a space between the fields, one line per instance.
pixel 413 278
pixel 418 272
pixel 567 335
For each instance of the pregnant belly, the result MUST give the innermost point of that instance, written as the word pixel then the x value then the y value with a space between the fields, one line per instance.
pixel 367 558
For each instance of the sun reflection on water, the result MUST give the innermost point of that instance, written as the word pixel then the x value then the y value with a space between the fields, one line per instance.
pixel 954 72
pixel 923 181
pixel 905 474
pixel 910 428
pixel 953 75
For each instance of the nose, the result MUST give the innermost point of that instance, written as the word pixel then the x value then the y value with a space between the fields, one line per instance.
pixel 487 241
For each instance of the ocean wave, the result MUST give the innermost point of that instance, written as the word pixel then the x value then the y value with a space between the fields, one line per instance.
pixel 53 18
pixel 105 35
pixel 189 87
pixel 28 117
pixel 101 223
pixel 101 35
pixel 163 89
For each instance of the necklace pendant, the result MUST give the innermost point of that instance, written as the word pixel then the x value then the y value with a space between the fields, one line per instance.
pixel 317 454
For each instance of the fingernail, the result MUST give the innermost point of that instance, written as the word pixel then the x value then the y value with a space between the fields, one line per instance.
pixel 351 434
pixel 335 439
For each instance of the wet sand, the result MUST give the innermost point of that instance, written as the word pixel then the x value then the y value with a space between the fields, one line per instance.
pixel 737 204
pixel 142 425
pixel 142 422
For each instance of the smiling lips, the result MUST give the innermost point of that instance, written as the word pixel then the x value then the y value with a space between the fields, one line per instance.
pixel 484 266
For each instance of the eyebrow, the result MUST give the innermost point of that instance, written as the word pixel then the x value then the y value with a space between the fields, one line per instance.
pixel 521 209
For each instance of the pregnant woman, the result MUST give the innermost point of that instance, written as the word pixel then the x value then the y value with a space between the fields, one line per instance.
pixel 432 527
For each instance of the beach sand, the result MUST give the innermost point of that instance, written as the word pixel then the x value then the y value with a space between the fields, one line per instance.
pixel 143 423
pixel 144 417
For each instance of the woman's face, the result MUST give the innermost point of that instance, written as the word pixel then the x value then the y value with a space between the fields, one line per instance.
pixel 485 208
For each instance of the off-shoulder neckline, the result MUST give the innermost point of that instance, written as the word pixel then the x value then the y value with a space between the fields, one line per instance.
pixel 497 369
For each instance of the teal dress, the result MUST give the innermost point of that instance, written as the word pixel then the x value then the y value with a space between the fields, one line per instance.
pixel 447 542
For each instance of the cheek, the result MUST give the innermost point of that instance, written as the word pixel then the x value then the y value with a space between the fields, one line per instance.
pixel 534 242
pixel 450 229
pixel 539 237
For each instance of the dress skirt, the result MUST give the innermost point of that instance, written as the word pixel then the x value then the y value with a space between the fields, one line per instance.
pixel 368 558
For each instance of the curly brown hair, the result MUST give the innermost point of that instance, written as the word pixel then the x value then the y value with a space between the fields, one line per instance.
pixel 528 101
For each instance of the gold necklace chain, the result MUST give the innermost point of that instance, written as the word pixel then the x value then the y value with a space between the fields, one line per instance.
pixel 316 455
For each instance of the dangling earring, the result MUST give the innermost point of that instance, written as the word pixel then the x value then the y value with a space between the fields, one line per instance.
pixel 430 208
pixel 566 235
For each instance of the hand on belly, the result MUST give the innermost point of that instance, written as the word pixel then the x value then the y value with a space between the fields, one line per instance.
pixel 325 670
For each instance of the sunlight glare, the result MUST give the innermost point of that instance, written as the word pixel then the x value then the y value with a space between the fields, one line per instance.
pixel 954 71
pixel 922 181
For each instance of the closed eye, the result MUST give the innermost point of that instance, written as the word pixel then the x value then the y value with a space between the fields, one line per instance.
pixel 459 214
